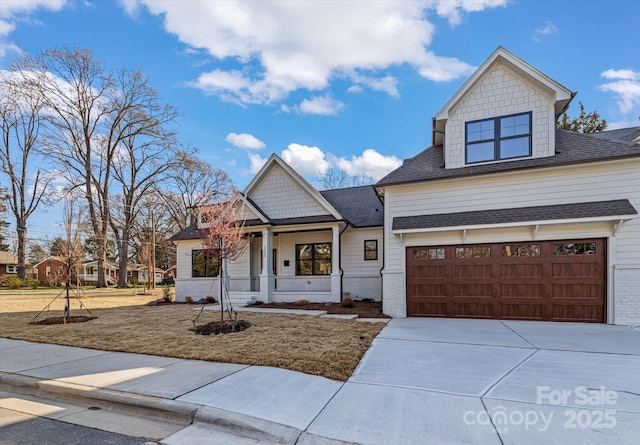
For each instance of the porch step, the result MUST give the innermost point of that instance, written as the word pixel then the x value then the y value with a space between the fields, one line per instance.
pixel 280 311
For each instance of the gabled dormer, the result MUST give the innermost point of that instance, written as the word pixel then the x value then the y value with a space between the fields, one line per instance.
pixel 506 110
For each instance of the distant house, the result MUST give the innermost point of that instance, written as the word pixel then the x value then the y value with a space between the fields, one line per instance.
pixel 52 270
pixel 303 244
pixel 89 273
pixel 139 273
pixel 8 265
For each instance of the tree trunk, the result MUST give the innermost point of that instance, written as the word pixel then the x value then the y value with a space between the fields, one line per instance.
pixel 22 241
pixel 122 260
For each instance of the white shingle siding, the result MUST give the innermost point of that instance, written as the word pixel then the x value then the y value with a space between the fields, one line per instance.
pixel 558 185
pixel 500 92
pixel 280 196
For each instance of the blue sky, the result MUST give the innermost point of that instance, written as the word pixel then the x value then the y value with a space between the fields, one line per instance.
pixel 333 84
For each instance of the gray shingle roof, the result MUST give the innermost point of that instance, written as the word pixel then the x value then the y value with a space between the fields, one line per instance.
pixel 189 232
pixel 571 148
pixel 594 209
pixel 360 206
pixel 622 134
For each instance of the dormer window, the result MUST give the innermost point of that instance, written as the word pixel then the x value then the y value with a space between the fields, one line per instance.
pixel 498 138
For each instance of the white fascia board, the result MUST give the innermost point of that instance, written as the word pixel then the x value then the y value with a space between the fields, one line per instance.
pixel 546 222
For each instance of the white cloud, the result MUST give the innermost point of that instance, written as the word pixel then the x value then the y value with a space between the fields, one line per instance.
pixel 323 105
pixel 371 163
pixel 256 162
pixel 282 47
pixel 13 11
pixel 245 140
pixel 625 84
pixel 312 162
pixel 548 28
pixel 307 161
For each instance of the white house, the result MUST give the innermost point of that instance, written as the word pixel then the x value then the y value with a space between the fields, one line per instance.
pixel 503 217
pixel 304 244
pixel 506 217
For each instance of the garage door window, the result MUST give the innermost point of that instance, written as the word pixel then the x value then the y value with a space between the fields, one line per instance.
pixel 423 253
pixel 521 250
pixel 473 252
pixel 574 249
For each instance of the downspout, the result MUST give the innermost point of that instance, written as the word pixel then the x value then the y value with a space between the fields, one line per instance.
pixel 346 226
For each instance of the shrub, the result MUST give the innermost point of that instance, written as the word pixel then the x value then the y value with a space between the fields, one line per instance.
pixel 13 282
pixel 256 303
pixel 31 282
pixel 211 299
pixel 302 302
pixel 347 302
pixel 188 300
pixel 166 294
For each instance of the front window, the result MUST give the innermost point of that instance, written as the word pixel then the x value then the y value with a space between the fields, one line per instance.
pixel 12 269
pixel 498 138
pixel 313 259
pixel 204 264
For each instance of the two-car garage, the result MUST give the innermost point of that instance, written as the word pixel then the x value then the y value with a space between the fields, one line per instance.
pixel 541 280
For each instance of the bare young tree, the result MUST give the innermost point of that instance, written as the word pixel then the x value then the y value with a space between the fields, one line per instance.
pixel 223 236
pixel 72 253
pixel 20 120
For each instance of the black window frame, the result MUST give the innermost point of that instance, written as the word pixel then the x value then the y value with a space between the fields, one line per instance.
pixel 313 261
pixel 497 138
pixel 374 250
pixel 209 261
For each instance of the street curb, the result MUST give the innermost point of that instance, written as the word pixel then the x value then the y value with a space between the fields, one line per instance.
pixel 182 411
pixel 243 425
pixel 240 425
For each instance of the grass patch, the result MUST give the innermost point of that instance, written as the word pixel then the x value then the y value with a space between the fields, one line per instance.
pixel 319 346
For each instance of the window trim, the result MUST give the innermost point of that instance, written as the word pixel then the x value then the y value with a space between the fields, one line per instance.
pixel 11 268
pixel 497 139
pixel 375 251
pixel 313 259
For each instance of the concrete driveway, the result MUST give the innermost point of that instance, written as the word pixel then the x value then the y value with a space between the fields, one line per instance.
pixel 489 381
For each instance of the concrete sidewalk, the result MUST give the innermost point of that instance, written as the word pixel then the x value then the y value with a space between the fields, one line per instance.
pixel 422 381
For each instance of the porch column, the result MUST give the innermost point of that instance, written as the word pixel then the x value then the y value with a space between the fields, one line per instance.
pixel 336 287
pixel 267 280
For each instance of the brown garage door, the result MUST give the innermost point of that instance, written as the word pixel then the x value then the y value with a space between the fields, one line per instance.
pixel 550 280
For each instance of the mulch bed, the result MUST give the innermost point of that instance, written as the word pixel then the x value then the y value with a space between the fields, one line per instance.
pixel 364 309
pixel 61 320
pixel 221 327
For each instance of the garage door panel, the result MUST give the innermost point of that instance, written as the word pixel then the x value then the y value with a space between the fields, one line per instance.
pixel 541 280
pixel 534 269
pixel 469 309
pixel 467 270
pixel 522 291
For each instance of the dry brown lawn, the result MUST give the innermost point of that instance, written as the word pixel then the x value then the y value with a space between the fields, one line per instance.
pixel 320 346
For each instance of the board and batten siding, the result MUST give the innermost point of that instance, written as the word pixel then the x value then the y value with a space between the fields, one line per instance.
pixel 279 195
pixel 501 92
pixel 602 181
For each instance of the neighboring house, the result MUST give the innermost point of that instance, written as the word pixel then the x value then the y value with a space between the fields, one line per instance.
pixel 51 270
pixel 8 265
pixel 170 272
pixel 139 272
pixel 89 273
pixel 506 217
pixel 304 244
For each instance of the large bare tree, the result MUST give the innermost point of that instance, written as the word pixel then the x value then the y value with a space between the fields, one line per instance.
pixel 21 120
pixel 192 184
pixel 93 115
